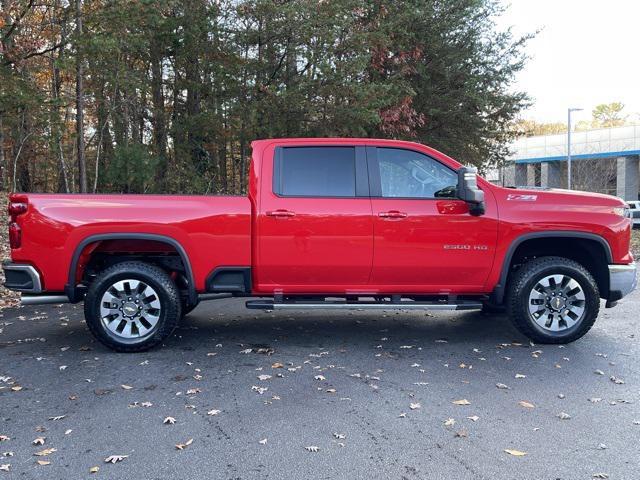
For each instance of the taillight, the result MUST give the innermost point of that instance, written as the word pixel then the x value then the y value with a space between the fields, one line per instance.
pixel 16 209
pixel 15 235
pixel 18 205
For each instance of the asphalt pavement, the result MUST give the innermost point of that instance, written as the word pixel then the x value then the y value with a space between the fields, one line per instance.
pixel 319 394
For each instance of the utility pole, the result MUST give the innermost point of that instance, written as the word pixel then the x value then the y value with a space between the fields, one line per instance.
pixel 569 110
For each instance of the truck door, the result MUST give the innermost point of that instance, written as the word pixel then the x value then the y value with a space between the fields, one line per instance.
pixel 314 227
pixel 425 239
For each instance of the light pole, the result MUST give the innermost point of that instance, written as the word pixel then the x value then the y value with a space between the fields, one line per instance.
pixel 569 110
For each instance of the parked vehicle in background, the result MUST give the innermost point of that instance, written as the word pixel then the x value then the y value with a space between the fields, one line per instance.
pixel 328 223
pixel 634 213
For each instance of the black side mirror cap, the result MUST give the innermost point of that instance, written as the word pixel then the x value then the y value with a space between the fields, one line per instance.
pixel 469 191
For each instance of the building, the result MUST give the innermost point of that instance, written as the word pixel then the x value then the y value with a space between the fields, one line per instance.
pixel 602 160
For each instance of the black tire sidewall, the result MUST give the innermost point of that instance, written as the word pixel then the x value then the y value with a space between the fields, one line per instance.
pixel 154 277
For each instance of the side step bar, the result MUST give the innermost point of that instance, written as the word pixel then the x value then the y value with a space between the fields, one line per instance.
pixel 334 305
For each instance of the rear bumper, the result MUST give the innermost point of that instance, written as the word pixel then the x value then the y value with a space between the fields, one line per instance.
pixel 21 278
pixel 623 280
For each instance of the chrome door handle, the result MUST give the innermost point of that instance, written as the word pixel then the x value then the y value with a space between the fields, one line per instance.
pixel 392 214
pixel 281 213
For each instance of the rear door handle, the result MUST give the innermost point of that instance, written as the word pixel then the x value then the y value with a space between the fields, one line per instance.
pixel 392 214
pixel 281 213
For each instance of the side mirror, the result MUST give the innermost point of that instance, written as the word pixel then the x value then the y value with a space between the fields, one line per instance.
pixel 468 190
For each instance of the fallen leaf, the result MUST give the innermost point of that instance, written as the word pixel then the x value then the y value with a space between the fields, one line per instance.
pixel 464 401
pixel 44 462
pixel 114 458
pixel 277 365
pixel 169 420
pixel 515 453
pixel 16 388
pixel 312 448
pixel 524 404
pixel 45 452
pixel 94 469
pixel 102 391
pixel 182 446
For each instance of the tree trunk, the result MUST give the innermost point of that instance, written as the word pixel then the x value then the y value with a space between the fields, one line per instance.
pixel 82 164
pixel 3 168
pixel 159 121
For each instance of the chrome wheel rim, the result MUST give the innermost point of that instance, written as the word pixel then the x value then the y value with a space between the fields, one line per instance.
pixel 130 309
pixel 557 303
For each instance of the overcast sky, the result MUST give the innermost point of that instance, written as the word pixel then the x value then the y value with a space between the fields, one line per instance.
pixel 587 52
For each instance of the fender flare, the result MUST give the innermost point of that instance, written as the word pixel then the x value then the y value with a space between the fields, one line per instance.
pixel 500 289
pixel 71 289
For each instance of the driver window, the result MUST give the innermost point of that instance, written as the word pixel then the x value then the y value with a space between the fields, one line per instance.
pixel 409 174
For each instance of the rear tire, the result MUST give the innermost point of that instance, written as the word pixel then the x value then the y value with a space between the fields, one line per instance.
pixel 553 300
pixel 132 306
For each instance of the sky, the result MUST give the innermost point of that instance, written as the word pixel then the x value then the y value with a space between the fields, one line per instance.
pixel 586 53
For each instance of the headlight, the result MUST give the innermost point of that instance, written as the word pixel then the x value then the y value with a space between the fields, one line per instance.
pixel 622 211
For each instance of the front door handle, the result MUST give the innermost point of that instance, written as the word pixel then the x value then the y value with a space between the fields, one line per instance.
pixel 392 214
pixel 281 213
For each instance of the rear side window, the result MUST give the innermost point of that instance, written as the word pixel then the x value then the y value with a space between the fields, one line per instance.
pixel 315 172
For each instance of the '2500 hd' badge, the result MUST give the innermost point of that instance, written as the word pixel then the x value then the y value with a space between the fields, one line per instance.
pixel 466 247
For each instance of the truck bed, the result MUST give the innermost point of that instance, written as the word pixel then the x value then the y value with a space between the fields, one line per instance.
pixel 213 230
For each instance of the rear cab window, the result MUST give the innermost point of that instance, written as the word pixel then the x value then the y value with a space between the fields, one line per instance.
pixel 320 171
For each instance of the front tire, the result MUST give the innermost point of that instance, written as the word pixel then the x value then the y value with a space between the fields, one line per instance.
pixel 132 306
pixel 553 300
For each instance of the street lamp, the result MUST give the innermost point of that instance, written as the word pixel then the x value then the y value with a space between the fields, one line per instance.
pixel 569 110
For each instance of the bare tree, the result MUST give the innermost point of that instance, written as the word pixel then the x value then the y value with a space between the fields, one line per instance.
pixel 82 163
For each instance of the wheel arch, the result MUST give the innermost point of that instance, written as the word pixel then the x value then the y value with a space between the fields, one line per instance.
pixel 530 239
pixel 74 293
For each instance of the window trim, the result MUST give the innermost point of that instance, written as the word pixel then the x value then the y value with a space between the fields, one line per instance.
pixel 361 173
pixel 376 182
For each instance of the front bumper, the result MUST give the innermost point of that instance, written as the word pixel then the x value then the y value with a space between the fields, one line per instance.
pixel 623 280
pixel 21 278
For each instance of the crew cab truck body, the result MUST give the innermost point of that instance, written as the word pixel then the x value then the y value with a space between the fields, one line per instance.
pixel 327 223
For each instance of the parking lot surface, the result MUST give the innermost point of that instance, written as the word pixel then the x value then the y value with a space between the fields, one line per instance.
pixel 306 395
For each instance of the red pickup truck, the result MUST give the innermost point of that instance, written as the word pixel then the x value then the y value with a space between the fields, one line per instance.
pixel 328 223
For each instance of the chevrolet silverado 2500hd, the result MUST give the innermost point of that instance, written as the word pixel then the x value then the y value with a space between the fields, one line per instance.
pixel 327 223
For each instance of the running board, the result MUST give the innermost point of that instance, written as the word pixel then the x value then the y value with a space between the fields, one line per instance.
pixel 329 305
